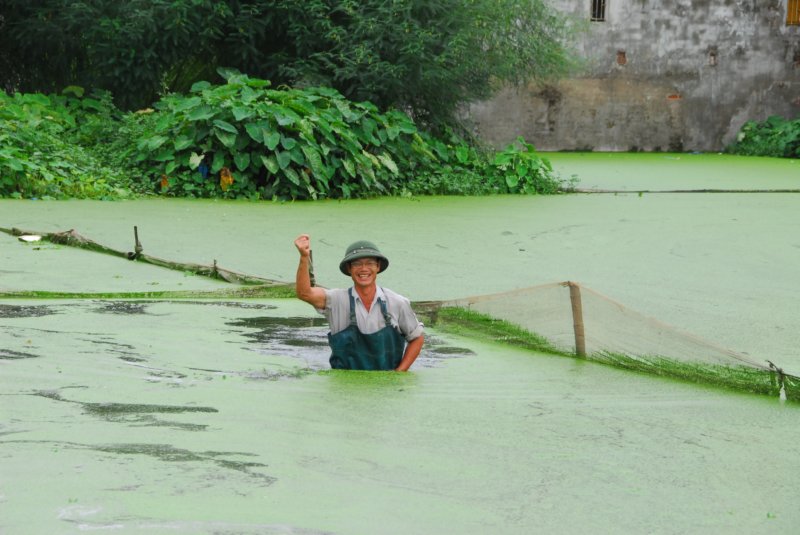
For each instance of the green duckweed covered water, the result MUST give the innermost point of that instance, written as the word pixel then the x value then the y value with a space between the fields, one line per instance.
pixel 178 417
pixel 219 416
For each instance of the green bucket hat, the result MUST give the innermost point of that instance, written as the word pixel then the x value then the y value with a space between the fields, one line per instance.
pixel 362 249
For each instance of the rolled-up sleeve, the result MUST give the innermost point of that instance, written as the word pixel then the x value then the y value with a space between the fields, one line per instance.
pixel 407 321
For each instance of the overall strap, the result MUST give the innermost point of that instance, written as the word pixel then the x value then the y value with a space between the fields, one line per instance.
pixel 352 308
pixel 384 310
pixel 386 317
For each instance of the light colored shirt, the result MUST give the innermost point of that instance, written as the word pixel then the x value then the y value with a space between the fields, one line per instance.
pixel 337 311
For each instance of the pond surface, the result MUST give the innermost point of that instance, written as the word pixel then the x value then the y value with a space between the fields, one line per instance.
pixel 204 416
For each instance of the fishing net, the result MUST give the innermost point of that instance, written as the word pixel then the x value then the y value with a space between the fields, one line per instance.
pixel 562 318
pixel 569 319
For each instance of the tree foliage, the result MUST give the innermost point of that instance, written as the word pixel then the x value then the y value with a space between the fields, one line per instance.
pixel 423 56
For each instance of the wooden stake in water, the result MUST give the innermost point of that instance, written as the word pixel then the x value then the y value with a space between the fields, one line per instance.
pixel 577 318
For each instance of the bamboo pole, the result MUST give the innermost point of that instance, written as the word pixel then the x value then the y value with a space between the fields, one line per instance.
pixel 577 318
pixel 73 239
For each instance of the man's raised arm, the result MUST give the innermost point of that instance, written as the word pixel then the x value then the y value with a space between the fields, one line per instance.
pixel 305 292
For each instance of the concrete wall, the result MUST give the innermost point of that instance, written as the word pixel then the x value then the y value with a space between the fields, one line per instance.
pixel 658 75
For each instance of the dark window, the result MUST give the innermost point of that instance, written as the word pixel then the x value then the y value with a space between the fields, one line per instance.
pixel 599 9
pixel 793 13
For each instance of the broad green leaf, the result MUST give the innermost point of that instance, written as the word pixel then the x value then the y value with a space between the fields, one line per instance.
pixel 314 161
pixel 271 139
pixel 288 142
pixel 226 138
pixel 166 153
pixel 349 166
pixel 155 142
pixel 241 113
pixel 224 125
pixel 183 142
pixel 271 163
pixel 199 86
pixel 369 126
pixel 170 167
pixel 502 159
pixel 164 123
pixel 258 83
pixel 242 160
pixel 292 175
pixel 297 156
pixel 202 113
pixel 249 95
pixel 304 108
pixel 195 160
pixel 284 159
pixel 306 128
pixel 512 180
pixel 372 158
pixel 92 104
pixel 188 103
pixel 14 164
pixel 388 163
pixel 255 132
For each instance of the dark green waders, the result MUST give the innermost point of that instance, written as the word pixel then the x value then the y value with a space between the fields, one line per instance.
pixel 354 350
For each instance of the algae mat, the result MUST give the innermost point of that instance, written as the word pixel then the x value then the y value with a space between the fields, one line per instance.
pixel 216 417
pixel 722 266
pixel 194 417
pixel 677 171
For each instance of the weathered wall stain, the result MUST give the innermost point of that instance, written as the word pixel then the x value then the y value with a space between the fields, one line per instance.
pixel 658 75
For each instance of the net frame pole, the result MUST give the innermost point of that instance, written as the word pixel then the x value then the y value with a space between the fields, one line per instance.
pixel 577 318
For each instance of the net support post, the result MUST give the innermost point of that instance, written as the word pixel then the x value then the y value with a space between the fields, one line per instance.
pixel 577 318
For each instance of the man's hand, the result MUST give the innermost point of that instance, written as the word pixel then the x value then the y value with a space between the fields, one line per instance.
pixel 303 244
pixel 305 291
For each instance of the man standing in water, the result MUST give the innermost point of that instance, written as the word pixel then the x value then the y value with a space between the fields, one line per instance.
pixel 369 325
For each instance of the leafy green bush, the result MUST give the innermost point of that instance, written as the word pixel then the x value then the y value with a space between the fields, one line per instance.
pixel 40 153
pixel 265 143
pixel 774 137
pixel 243 139
pixel 469 169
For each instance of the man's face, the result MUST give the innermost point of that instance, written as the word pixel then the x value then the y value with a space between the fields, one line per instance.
pixel 364 271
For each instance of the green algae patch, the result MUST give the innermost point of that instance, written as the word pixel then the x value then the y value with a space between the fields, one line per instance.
pixel 468 323
pixel 634 171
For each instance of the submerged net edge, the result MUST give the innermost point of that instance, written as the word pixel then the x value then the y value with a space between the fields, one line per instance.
pixel 739 376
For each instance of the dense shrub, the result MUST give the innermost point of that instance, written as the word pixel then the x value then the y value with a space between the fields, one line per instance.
pixel 243 139
pixel 774 137
pixel 246 140
pixel 41 153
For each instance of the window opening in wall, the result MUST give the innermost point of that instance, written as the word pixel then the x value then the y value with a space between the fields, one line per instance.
pixel 793 13
pixel 599 10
